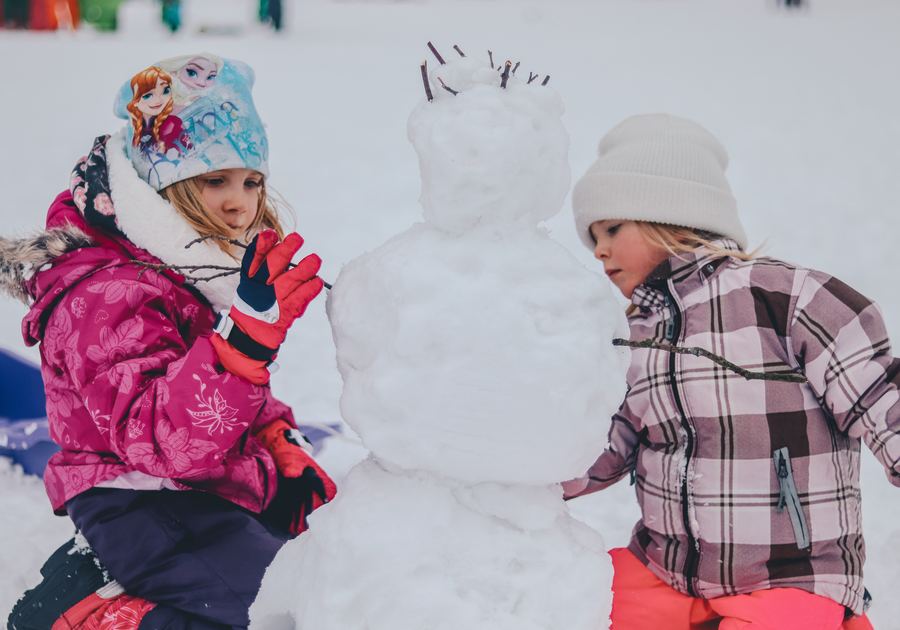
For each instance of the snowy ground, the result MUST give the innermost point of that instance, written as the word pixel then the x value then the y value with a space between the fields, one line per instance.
pixel 800 99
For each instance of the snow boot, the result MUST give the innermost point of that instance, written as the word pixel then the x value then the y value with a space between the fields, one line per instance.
pixel 71 574
pixel 107 609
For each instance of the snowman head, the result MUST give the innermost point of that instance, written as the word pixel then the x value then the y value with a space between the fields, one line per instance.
pixel 492 148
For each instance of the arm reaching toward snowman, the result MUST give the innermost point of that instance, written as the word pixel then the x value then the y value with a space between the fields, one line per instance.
pixel 613 463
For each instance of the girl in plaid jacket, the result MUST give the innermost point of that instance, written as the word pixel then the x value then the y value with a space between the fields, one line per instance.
pixel 746 470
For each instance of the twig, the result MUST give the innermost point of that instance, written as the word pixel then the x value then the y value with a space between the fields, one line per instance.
pixel 516 67
pixel 546 80
pixel 491 57
pixel 446 87
pixel 216 237
pixel 531 77
pixel 505 76
pixel 436 53
pixel 700 352
pixel 456 48
pixel 428 93
pixel 227 270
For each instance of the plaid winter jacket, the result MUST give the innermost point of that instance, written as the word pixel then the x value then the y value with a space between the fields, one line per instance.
pixel 753 484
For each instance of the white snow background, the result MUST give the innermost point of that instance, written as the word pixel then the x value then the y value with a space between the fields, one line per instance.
pixel 805 101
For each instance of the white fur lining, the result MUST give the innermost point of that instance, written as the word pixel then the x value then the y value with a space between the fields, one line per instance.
pixel 151 223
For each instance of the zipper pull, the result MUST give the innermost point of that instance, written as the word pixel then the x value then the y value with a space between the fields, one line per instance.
pixel 632 477
pixel 670 329
pixel 782 477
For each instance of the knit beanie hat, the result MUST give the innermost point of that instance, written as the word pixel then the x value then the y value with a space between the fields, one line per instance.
pixel 191 115
pixel 660 168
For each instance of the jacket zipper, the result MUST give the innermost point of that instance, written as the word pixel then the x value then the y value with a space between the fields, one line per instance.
pixel 672 333
pixel 788 497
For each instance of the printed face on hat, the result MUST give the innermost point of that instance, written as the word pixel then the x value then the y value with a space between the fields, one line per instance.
pixel 152 102
pixel 627 257
pixel 232 195
pixel 198 73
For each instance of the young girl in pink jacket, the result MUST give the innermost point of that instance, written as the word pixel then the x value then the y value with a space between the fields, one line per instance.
pixel 752 384
pixel 162 294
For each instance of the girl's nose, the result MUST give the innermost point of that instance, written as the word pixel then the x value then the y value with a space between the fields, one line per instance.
pixel 601 251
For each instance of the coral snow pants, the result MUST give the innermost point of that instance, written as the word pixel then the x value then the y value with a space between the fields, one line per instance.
pixel 641 601
pixel 200 558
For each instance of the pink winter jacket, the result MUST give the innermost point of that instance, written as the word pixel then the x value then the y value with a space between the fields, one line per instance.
pixel 136 396
pixel 748 484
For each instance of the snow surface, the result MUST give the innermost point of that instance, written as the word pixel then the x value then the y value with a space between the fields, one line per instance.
pixel 801 100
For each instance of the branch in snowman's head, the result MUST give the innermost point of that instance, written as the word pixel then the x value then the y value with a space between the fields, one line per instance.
pixel 457 76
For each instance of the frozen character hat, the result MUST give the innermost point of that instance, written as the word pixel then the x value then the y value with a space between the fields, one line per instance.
pixel 191 115
pixel 660 168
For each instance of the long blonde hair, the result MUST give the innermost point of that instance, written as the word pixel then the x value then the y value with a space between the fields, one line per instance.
pixel 676 240
pixel 185 196
pixel 679 240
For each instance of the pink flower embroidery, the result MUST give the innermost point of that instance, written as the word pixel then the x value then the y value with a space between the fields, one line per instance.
pixel 101 421
pixel 213 413
pixel 101 316
pixel 79 196
pixel 117 345
pixel 177 452
pixel 132 291
pixel 104 205
pixel 78 307
pixel 135 429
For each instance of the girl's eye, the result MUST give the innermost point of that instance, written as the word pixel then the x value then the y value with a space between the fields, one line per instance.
pixel 214 181
pixel 192 73
pixel 253 183
pixel 211 77
pixel 166 90
pixel 147 96
pixel 611 230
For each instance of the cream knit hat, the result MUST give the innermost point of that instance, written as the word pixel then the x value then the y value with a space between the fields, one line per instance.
pixel 661 168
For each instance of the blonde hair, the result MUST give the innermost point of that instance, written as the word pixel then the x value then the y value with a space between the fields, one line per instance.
pixel 141 83
pixel 676 240
pixel 186 197
pixel 679 240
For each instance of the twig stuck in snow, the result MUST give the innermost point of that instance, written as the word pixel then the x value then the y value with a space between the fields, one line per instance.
pixel 546 80
pixel 456 48
pixel 446 87
pixel 505 76
pixel 516 67
pixel 491 57
pixel 531 77
pixel 791 377
pixel 436 53
pixel 428 93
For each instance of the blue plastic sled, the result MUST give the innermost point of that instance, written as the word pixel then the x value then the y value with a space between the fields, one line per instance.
pixel 24 435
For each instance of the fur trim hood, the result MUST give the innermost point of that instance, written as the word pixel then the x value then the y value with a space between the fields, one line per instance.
pixel 21 258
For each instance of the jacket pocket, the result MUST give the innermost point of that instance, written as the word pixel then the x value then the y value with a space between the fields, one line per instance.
pixel 787 497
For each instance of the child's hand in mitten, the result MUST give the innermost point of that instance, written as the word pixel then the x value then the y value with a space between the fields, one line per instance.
pixel 302 484
pixel 270 297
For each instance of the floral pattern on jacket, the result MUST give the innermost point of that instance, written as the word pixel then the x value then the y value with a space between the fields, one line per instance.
pixel 133 384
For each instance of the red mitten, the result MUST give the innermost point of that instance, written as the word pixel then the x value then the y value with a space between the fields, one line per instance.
pixel 302 484
pixel 270 297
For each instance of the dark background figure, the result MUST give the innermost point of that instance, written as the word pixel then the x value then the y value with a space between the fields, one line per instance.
pixel 270 11
pixel 171 14
pixel 792 3
pixel 15 13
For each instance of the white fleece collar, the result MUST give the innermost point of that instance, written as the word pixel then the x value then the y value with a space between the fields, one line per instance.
pixel 151 223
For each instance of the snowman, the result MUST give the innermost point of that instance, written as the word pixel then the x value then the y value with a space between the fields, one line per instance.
pixel 478 369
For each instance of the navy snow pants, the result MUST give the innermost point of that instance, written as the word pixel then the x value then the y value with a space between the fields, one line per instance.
pixel 200 558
